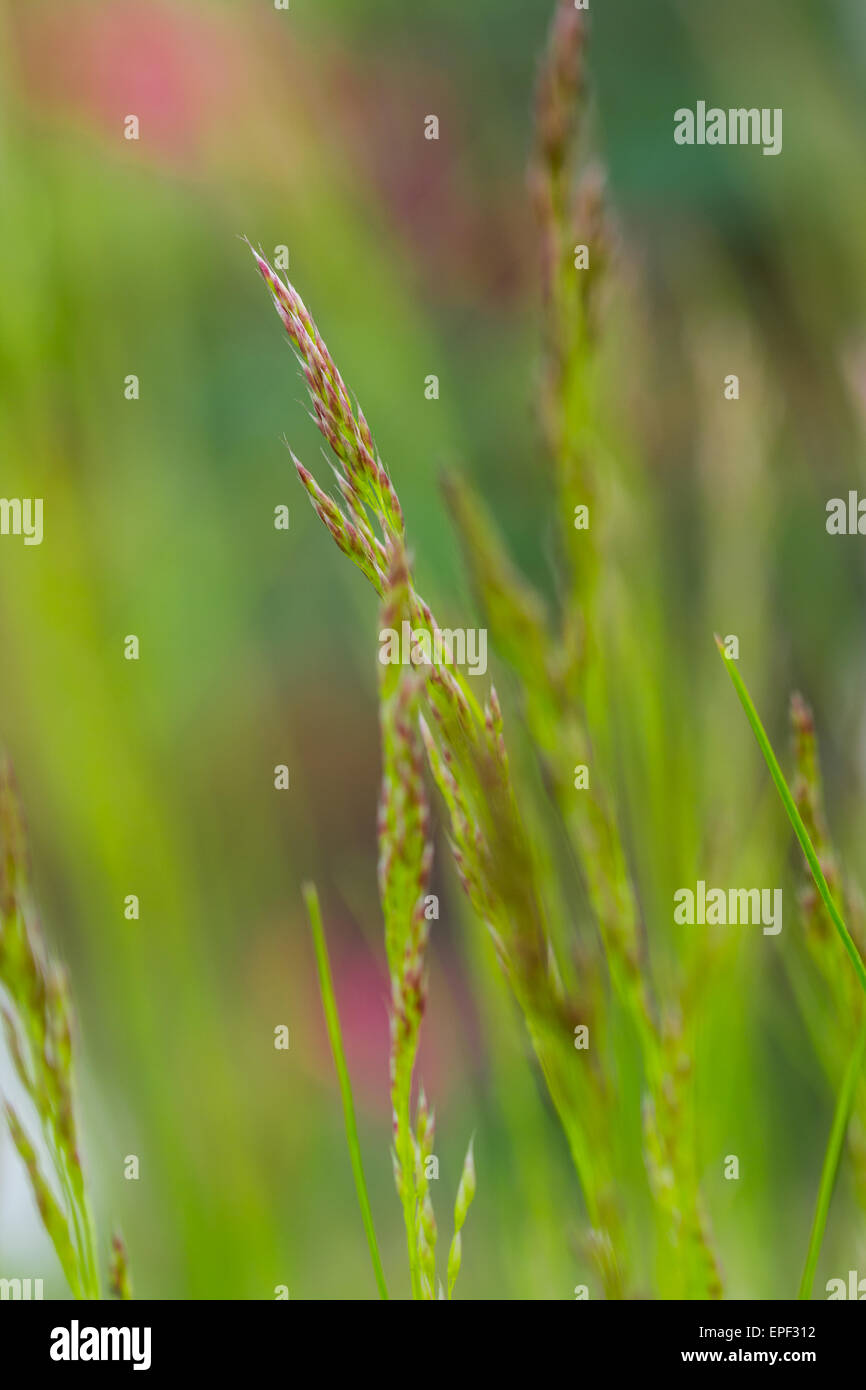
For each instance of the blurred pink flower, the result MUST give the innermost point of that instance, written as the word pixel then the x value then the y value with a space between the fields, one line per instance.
pixel 362 990
pixel 180 70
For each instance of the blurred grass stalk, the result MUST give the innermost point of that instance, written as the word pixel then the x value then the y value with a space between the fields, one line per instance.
pixel 37 1021
pixel 843 985
pixel 832 1157
pixel 561 674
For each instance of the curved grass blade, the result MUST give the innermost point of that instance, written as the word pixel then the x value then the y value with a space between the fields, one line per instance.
pixel 832 1156
pixel 794 815
pixel 332 1020
pixel 848 1089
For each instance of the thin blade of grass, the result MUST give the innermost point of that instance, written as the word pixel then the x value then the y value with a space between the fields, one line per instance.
pixel 832 1157
pixel 845 1099
pixel 793 814
pixel 332 1020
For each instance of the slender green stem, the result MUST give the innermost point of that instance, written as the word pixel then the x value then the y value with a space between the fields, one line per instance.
pixel 90 1241
pixel 86 1269
pixel 332 1020
pixel 838 1131
pixel 848 1090
pixel 72 1181
pixel 794 815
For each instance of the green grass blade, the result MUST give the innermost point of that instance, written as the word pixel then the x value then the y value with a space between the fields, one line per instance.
pixel 838 1131
pixel 794 815
pixel 848 1089
pixel 332 1019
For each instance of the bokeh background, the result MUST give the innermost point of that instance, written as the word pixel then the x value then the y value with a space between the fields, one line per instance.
pixel 305 128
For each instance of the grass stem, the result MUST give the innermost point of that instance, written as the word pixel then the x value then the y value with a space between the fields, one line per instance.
pixel 832 1156
pixel 848 1089
pixel 794 815
pixel 332 1020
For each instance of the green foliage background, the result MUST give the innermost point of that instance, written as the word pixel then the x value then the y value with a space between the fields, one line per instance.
pixel 155 778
